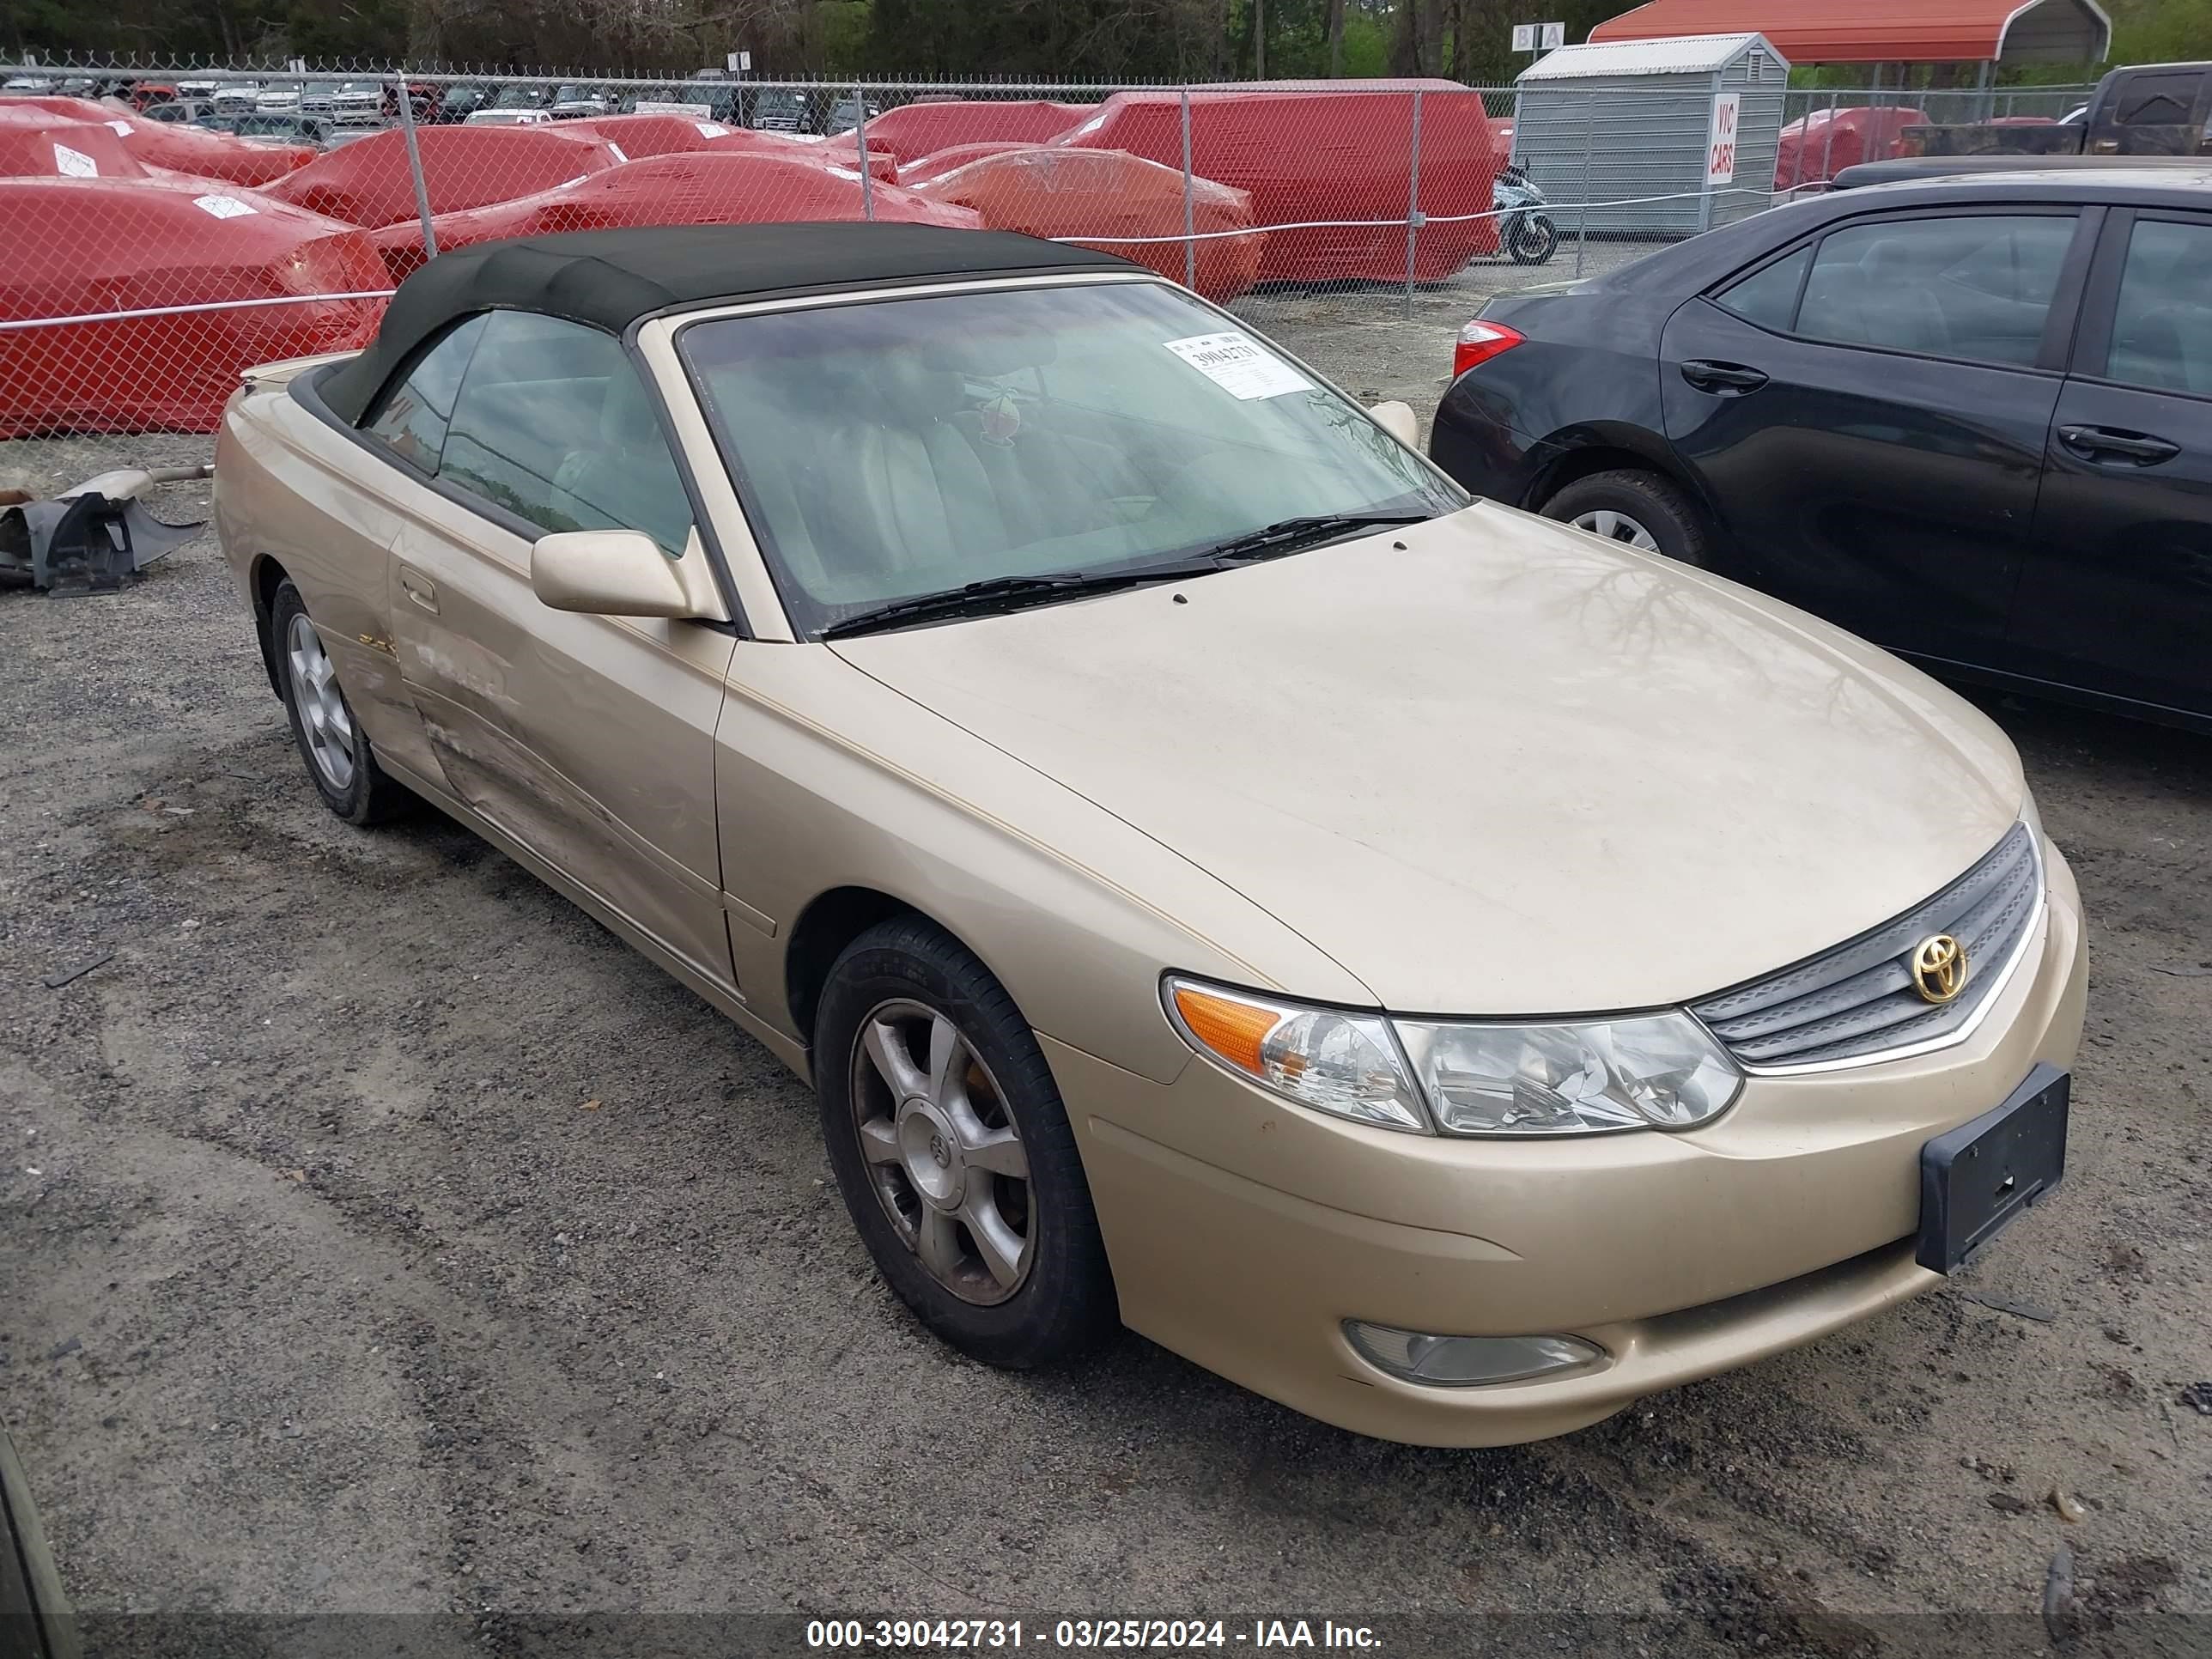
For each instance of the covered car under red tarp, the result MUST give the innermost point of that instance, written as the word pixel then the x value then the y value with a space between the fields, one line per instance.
pixel 913 130
pixel 1097 194
pixel 743 141
pixel 55 148
pixel 703 188
pixel 80 246
pixel 937 163
pixel 368 182
pixel 180 148
pixel 1316 150
pixel 1822 144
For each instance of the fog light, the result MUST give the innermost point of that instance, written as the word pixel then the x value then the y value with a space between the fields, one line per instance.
pixel 1466 1362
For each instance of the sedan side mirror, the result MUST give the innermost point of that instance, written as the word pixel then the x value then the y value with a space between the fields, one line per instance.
pixel 608 573
pixel 1400 422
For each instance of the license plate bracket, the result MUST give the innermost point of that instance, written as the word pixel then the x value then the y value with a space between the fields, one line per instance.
pixel 1978 1179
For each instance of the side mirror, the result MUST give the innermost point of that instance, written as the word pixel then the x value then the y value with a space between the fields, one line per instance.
pixel 607 573
pixel 1400 422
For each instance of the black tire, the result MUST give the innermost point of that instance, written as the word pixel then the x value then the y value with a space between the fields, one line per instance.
pixel 368 795
pixel 1533 241
pixel 1064 1303
pixel 1644 499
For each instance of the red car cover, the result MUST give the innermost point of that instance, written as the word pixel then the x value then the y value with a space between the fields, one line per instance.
pixel 914 130
pixel 937 163
pixel 53 147
pixel 745 141
pixel 1808 152
pixel 653 134
pixel 1316 150
pixel 368 182
pixel 1045 191
pixel 704 188
pixel 180 148
pixel 83 246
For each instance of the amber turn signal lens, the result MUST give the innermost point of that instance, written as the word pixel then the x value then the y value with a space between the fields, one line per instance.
pixel 1232 1030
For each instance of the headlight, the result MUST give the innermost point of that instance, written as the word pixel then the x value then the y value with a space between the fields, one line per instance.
pixel 1643 1071
pixel 1347 1064
pixel 1553 1078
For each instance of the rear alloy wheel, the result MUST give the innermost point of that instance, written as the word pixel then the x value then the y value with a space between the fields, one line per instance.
pixel 337 751
pixel 1637 509
pixel 954 1153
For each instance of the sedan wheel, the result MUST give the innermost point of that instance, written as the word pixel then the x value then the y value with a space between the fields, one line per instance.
pixel 1617 527
pixel 341 761
pixel 953 1152
pixel 326 724
pixel 942 1153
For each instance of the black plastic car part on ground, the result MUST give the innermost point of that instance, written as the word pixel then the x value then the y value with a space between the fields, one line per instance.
pixel 1969 418
pixel 35 1621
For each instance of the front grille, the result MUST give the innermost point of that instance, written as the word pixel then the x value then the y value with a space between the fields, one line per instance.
pixel 1857 1000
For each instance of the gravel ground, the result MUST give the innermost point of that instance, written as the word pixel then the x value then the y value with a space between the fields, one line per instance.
pixel 378 1234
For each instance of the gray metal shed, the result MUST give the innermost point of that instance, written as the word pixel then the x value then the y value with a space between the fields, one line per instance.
pixel 1618 121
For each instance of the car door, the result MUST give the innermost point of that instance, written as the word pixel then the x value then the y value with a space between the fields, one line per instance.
pixel 2117 596
pixel 587 739
pixel 1868 411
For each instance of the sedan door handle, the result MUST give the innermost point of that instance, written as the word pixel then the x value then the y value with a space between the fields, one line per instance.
pixel 419 588
pixel 1722 378
pixel 2137 447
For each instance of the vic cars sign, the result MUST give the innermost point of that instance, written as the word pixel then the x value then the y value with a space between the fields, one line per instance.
pixel 1720 151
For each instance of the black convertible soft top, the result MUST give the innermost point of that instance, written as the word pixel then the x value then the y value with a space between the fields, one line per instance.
pixel 610 278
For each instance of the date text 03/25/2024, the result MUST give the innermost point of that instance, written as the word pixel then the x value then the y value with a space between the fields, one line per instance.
pixel 992 1635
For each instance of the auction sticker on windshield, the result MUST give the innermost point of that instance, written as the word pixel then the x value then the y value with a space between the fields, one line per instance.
pixel 1239 365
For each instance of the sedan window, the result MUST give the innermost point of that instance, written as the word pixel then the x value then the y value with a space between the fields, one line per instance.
pixel 2162 325
pixel 1769 295
pixel 411 418
pixel 1975 287
pixel 553 424
pixel 900 447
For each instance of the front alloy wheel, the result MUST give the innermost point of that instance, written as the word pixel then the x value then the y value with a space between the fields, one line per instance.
pixel 953 1152
pixel 944 1156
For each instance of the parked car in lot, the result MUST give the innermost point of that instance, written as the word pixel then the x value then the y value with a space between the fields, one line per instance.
pixel 181 111
pixel 2140 109
pixel 1969 419
pixel 277 125
pixel 574 101
pixel 1448 973
pixel 455 104
pixel 509 117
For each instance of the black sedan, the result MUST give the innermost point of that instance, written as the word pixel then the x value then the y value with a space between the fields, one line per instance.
pixel 1970 419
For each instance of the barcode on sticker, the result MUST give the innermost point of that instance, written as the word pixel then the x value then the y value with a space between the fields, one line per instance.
pixel 711 128
pixel 74 163
pixel 222 207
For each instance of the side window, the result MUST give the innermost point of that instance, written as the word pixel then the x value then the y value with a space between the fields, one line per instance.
pixel 2165 99
pixel 1977 287
pixel 554 425
pixel 2162 322
pixel 1769 295
pixel 411 416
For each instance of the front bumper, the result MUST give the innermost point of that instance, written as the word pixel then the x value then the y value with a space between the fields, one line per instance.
pixel 1244 1229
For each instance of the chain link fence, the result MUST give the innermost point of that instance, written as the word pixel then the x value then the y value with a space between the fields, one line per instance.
pixel 170 227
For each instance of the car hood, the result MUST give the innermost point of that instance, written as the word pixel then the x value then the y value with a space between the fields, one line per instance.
pixel 1491 765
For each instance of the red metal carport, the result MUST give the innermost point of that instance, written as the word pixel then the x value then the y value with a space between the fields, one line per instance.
pixel 1885 31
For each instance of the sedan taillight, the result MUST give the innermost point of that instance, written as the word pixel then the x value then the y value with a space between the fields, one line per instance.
pixel 1479 341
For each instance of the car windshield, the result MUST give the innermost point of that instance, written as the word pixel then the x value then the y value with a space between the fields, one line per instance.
pixel 519 97
pixel 900 447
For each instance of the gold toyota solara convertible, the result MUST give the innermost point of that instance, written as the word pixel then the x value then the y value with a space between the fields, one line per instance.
pixel 1437 968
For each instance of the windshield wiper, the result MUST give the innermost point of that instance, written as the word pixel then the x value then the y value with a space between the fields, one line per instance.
pixel 1001 593
pixel 1286 535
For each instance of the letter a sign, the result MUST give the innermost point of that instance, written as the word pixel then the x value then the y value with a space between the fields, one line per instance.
pixel 1720 154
